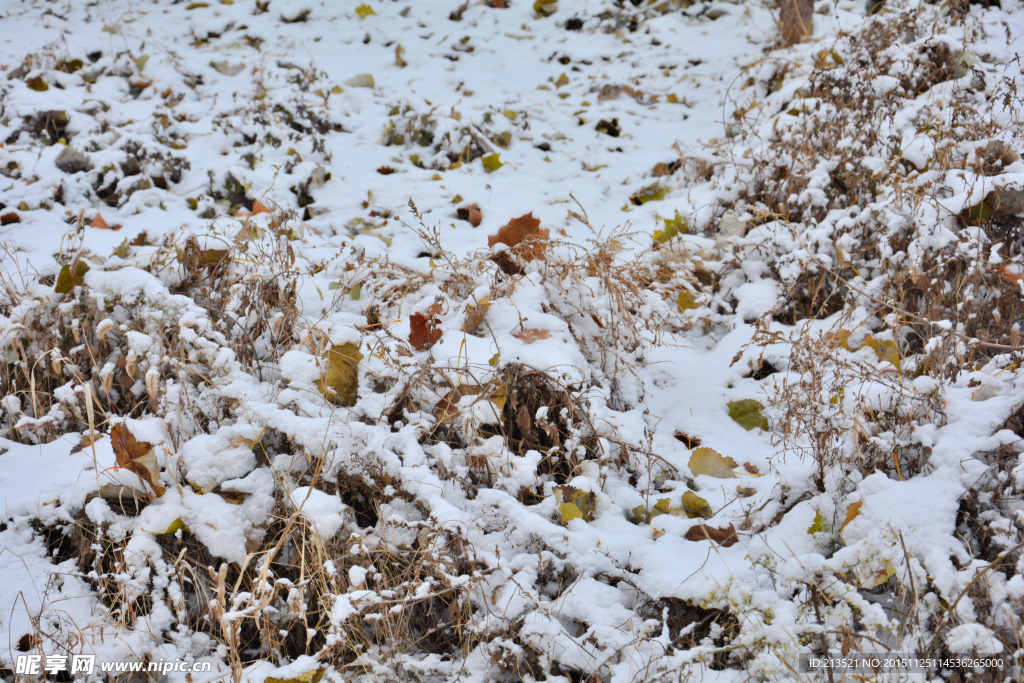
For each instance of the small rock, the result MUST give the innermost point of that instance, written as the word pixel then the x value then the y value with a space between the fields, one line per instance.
pixel 70 160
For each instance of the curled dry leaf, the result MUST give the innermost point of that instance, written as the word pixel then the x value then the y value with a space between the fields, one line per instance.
pixel 475 313
pixel 524 235
pixel 528 335
pixel 724 536
pixel 423 331
pixel 137 456
pixel 710 462
pixel 470 213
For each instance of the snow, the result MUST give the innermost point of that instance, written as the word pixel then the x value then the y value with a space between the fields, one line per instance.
pixel 222 362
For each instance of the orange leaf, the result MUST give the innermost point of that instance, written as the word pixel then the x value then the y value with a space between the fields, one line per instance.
pixel 851 513
pixel 724 536
pixel 523 235
pixel 98 222
pixel 259 208
pixel 529 335
pixel 423 331
pixel 136 456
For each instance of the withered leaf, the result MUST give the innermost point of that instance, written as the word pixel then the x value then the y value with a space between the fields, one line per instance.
pixel 695 506
pixel 423 332
pixel 136 456
pixel 87 441
pixel 99 223
pixel 340 381
pixel 575 504
pixel 529 335
pixel 385 170
pixel 475 313
pixel 448 407
pixel 10 218
pixel 524 235
pixel 851 513
pixel 710 462
pixel 470 213
pixel 724 536
pixel 690 442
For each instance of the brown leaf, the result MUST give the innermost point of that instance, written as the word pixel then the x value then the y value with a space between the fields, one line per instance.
pixel 447 408
pixel 724 536
pixel 423 331
pixel 661 169
pixel 507 263
pixel 86 442
pixel 257 207
pixel 10 218
pixel 98 222
pixel 499 4
pixel 752 469
pixel 690 442
pixel 524 235
pixel 528 335
pixel 385 170
pixel 25 643
pixel 470 213
pixel 136 456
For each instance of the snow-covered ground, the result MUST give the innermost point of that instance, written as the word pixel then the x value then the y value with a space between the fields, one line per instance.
pixel 275 396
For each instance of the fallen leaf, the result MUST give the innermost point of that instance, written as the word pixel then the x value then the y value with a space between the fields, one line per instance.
pixel 385 170
pixel 575 504
pixel 87 441
pixel 751 469
pixel 9 218
pixel 687 301
pixel 708 461
pixel 340 381
pixel 136 456
pixel 610 128
pixel 673 226
pixel 257 207
pixel 492 162
pixel 545 8
pixel 747 414
pixel 851 513
pixel 66 281
pixel 360 81
pixel 475 316
pixel 226 68
pixel 695 506
pixel 724 536
pixel 562 80
pixel 528 335
pixel 470 213
pixel 399 59
pixel 99 223
pixel 37 84
pixel 365 11
pixel 819 525
pixel 690 442
pixel 661 169
pixel 423 331
pixel 522 234
pixel 313 676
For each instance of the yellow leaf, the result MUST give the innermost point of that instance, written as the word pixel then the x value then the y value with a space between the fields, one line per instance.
pixel 575 504
pixel 695 506
pixel 492 162
pixel 545 8
pixel 710 462
pixel 340 381
pixel 819 525
pixel 364 11
pixel 313 676
pixel 686 301
pixel 673 226
pixel 562 80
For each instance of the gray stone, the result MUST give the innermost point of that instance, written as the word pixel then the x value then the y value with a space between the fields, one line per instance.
pixel 70 160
